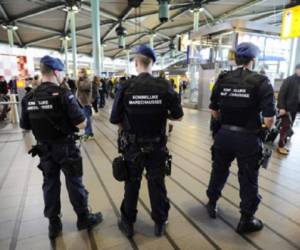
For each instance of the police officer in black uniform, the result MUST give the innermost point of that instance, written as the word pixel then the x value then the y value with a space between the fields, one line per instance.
pixel 53 114
pixel 242 100
pixel 141 108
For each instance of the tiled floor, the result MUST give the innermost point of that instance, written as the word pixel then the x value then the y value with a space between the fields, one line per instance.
pixel 23 227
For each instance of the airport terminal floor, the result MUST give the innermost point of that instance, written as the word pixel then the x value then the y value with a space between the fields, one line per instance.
pixel 22 225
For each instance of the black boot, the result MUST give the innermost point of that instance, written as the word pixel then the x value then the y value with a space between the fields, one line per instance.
pixel 88 220
pixel 212 209
pixel 160 229
pixel 126 228
pixel 249 224
pixel 55 227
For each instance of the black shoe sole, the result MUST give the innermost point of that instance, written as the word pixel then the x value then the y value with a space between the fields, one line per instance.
pixel 54 236
pixel 241 231
pixel 160 234
pixel 89 226
pixel 211 214
pixel 124 231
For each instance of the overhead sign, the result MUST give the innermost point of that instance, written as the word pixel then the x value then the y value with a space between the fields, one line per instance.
pixel 291 23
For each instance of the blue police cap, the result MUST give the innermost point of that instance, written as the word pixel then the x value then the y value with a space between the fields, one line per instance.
pixel 146 51
pixel 53 63
pixel 247 50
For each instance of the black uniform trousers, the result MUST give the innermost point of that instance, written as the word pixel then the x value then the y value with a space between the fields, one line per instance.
pixel 246 148
pixel 51 163
pixel 154 163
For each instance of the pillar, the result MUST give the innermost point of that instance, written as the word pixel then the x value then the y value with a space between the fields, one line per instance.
pixel 10 36
pixel 151 43
pixel 234 38
pixel 74 42
pixel 102 58
pixel 128 61
pixel 220 47
pixel 65 41
pixel 95 4
pixel 162 62
pixel 196 20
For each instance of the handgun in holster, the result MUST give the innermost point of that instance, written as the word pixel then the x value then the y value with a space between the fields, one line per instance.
pixel 266 157
pixel 122 143
pixel 266 152
pixel 168 163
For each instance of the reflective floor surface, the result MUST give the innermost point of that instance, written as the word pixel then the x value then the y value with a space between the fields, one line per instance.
pixel 22 225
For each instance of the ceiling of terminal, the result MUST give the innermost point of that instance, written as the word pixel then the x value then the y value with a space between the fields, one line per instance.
pixel 41 23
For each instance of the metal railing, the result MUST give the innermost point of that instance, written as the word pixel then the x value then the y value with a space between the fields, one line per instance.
pixel 14 112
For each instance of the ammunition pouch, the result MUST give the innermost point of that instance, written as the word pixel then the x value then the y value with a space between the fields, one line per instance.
pixel 120 169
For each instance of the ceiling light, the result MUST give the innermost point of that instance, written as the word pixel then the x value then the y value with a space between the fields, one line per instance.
pixel 72 5
pixel 121 32
pixel 74 9
pixel 163 10
pixel 66 38
pixel 9 27
pixel 196 10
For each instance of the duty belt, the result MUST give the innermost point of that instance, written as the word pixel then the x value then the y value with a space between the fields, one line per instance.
pixel 239 129
pixel 65 140
pixel 132 138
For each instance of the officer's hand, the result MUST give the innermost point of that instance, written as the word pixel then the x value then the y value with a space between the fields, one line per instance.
pixel 282 112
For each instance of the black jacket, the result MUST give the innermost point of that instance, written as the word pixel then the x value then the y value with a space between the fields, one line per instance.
pixel 3 87
pixel 288 97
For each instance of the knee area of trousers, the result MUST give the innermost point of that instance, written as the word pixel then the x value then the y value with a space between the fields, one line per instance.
pixel 220 168
pixel 156 176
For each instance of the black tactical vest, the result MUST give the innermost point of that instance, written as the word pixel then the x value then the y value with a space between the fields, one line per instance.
pixel 145 102
pixel 239 99
pixel 47 114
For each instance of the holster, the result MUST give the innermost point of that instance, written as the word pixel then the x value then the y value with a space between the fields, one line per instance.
pixel 72 167
pixel 46 166
pixel 168 163
pixel 122 142
pixel 263 134
pixel 266 154
pixel 120 169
